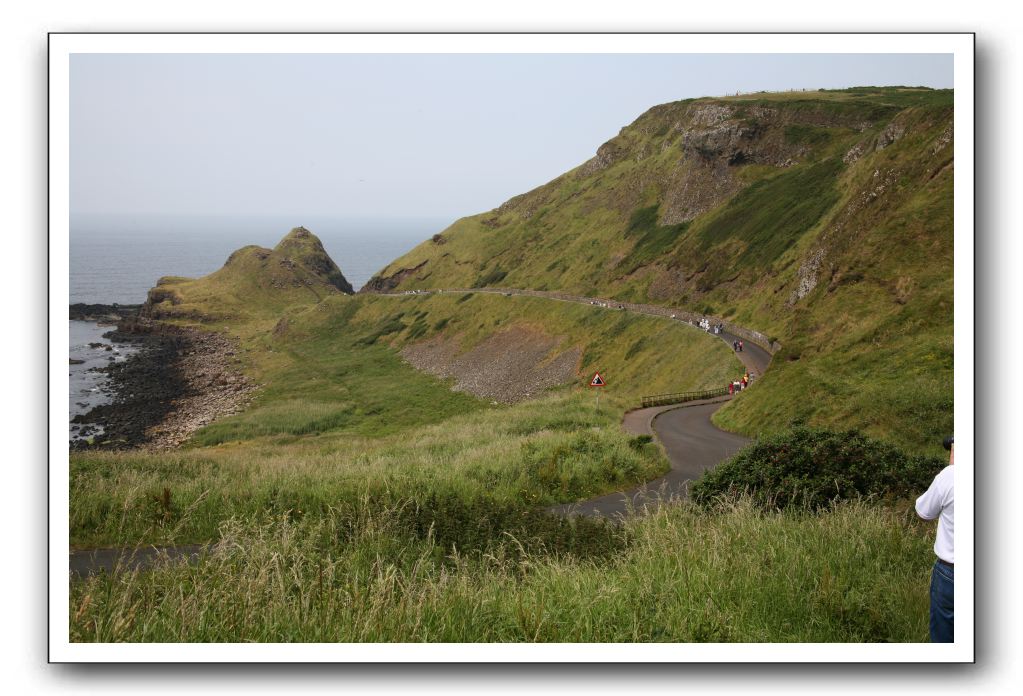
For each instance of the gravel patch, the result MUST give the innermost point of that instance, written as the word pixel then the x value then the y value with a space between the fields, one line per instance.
pixel 510 366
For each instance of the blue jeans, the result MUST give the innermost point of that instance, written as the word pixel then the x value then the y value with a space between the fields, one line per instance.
pixel 942 582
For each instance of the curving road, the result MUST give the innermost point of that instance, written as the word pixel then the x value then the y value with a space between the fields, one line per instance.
pixel 691 441
pixel 693 445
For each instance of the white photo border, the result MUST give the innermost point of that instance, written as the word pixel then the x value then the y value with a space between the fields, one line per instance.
pixel 63 45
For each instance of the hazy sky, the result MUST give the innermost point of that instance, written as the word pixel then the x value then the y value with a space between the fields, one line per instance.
pixel 389 135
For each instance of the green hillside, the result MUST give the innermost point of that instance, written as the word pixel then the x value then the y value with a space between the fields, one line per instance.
pixel 821 219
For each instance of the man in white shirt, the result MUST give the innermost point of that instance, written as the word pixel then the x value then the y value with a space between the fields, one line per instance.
pixel 939 502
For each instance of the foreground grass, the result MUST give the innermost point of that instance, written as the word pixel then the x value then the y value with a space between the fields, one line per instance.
pixel 857 573
pixel 557 449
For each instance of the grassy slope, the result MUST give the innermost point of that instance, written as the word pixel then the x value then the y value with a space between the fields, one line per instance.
pixel 869 347
pixel 340 414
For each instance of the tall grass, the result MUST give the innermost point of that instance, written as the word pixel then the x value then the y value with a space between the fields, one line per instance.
pixel 858 573
pixel 557 449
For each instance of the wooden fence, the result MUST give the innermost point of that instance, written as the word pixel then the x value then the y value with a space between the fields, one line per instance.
pixel 682 397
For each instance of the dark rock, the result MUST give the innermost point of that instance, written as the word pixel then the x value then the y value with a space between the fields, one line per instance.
pixel 101 312
pixel 386 284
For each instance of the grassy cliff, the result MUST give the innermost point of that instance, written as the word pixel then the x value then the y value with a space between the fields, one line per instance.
pixel 821 219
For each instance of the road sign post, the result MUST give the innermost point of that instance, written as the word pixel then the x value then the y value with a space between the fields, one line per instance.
pixel 597 381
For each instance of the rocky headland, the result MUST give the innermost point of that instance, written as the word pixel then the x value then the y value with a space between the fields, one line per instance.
pixel 183 376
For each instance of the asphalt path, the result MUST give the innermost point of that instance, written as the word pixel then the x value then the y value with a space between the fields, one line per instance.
pixel 755 358
pixel 92 561
pixel 692 443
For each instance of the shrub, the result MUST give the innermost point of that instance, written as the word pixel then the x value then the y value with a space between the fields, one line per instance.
pixel 813 468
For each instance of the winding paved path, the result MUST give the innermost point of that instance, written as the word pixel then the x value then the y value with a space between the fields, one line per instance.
pixel 90 561
pixel 692 443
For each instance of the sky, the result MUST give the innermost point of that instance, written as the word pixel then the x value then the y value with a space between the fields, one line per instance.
pixel 389 135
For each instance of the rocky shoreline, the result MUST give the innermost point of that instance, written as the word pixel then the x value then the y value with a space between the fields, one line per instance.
pixel 179 380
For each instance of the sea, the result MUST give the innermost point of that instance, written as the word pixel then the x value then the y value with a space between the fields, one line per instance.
pixel 117 258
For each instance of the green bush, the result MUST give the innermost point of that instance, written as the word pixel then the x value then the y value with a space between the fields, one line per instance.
pixel 814 468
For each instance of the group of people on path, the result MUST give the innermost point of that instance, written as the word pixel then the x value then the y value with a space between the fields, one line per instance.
pixel 738 385
pixel 705 325
pixel 737 345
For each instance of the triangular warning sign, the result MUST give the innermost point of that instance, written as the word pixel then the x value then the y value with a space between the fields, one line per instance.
pixel 597 380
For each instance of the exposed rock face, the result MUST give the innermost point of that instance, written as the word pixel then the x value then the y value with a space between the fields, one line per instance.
pixel 890 134
pixel 159 294
pixel 841 232
pixel 714 140
pixel 388 283
pixel 943 140
pixel 510 366
pixel 607 154
pixel 807 276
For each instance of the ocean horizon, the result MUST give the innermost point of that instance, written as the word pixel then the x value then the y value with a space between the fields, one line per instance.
pixel 118 258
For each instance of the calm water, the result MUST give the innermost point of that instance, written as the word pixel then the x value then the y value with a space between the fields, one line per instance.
pixel 87 383
pixel 117 259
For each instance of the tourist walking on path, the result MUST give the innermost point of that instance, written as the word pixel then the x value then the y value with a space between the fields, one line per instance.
pixel 939 502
